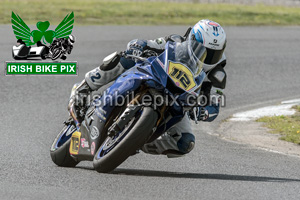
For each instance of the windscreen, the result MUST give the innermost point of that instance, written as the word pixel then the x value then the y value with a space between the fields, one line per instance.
pixel 191 54
pixel 185 63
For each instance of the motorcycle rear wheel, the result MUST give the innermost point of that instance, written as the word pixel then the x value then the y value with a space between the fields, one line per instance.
pixel 139 129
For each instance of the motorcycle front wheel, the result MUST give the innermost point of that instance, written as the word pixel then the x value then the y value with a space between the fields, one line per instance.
pixel 116 149
pixel 56 54
pixel 59 151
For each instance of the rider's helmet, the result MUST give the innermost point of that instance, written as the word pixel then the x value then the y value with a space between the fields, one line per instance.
pixel 71 39
pixel 213 37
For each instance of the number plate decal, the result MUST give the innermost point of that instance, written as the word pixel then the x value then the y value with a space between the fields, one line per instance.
pixel 181 76
pixel 75 143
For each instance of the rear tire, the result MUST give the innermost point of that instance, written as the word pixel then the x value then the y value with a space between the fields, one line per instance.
pixel 60 153
pixel 139 133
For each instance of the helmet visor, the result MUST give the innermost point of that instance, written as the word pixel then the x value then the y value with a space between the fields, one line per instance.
pixel 192 54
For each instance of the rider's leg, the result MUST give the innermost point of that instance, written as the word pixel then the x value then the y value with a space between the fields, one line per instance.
pixel 176 142
pixel 113 66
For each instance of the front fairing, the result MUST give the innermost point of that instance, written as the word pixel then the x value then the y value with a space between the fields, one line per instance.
pixel 176 76
pixel 155 73
pixel 180 73
pixel 125 84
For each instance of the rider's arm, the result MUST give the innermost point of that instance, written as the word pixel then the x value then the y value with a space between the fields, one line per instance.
pixel 137 47
pixel 216 82
pixel 113 67
pixel 158 45
pixel 213 98
pixel 211 111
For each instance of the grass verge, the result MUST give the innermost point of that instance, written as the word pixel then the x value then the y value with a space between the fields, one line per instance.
pixel 287 126
pixel 102 12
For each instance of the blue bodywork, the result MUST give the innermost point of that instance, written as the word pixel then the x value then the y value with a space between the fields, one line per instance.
pixel 151 74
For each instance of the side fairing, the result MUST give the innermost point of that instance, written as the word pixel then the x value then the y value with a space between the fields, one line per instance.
pixel 115 95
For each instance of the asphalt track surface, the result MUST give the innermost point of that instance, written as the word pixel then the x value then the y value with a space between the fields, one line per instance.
pixel 263 68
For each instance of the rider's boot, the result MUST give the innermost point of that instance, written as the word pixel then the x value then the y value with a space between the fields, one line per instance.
pixel 176 142
pixel 175 145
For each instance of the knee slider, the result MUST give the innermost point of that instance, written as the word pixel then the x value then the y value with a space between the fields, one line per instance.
pixel 186 143
pixel 110 61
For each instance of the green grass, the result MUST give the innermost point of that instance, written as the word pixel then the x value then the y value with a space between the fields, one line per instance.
pixel 287 126
pixel 100 12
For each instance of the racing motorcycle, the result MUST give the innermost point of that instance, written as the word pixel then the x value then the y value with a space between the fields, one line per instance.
pixel 122 130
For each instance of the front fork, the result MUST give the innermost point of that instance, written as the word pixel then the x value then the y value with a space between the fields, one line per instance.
pixel 71 105
pixel 74 115
pixel 74 101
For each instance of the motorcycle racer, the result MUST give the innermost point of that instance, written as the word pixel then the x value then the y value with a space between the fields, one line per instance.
pixel 66 43
pixel 179 139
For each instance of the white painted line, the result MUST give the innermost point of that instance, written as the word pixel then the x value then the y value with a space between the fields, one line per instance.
pixel 294 101
pixel 279 152
pixel 284 109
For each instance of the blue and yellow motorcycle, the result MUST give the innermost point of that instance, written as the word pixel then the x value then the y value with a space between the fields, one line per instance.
pixel 138 107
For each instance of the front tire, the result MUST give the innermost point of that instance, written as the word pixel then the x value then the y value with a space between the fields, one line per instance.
pixel 139 130
pixel 56 54
pixel 59 151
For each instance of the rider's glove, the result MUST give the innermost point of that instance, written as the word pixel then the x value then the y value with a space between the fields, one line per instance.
pixel 201 114
pixel 136 47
